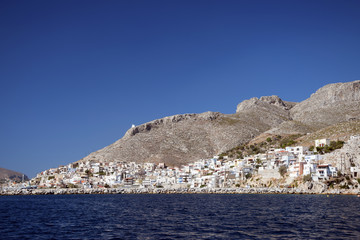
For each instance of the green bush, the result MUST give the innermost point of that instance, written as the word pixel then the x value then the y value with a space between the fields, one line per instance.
pixel 328 149
pixel 248 175
pixel 70 185
pixel 320 150
pixel 336 145
pixel 282 170
pixel 307 178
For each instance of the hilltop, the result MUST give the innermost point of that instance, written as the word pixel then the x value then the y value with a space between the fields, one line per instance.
pixel 329 105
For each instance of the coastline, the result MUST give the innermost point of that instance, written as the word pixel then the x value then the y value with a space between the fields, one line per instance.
pixel 70 191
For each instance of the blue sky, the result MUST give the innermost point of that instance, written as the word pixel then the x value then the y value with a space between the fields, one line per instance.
pixel 76 74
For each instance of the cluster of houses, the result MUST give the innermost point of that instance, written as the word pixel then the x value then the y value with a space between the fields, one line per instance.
pixel 210 173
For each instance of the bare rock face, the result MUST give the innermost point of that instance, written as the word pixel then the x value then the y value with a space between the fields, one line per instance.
pixel 270 110
pixel 169 120
pixel 185 138
pixel 347 156
pixel 265 101
pixel 331 104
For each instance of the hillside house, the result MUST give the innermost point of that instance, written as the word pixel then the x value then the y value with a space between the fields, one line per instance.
pixel 309 168
pixel 324 172
pixel 355 172
pixel 313 158
pixel 288 160
pixel 322 142
pixel 298 150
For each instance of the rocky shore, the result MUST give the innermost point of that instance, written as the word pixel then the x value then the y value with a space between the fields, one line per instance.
pixel 64 191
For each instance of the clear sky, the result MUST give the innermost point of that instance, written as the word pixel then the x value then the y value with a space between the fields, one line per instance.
pixel 75 75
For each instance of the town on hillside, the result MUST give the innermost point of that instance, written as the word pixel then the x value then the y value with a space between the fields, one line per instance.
pixel 277 167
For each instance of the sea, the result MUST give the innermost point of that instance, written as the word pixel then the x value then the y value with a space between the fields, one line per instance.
pixel 180 216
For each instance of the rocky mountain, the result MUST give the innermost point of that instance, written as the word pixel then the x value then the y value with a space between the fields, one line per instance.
pixel 273 102
pixel 329 105
pixel 185 138
pixel 6 174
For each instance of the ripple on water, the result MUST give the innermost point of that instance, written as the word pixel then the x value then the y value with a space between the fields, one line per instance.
pixel 187 216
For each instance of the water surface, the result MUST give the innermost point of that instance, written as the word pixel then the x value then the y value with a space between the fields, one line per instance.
pixel 180 216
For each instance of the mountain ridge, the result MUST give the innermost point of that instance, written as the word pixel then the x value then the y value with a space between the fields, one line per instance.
pixel 184 138
pixel 7 174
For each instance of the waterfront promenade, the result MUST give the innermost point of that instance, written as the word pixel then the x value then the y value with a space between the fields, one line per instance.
pixel 175 191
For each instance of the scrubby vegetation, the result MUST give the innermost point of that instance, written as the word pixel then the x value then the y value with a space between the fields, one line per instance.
pixel 247 149
pixel 289 140
pixel 307 178
pixel 282 170
pixel 333 146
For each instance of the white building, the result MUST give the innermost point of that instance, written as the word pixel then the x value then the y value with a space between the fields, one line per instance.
pixel 355 172
pixel 297 150
pixel 323 172
pixel 313 158
pixel 309 168
pixel 214 183
pixel 288 160
pixel 322 142
pixel 333 171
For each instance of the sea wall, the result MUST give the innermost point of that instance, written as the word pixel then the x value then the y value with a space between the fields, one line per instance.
pixel 175 191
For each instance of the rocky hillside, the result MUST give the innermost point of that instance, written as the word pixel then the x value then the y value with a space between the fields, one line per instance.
pixel 186 138
pixel 6 174
pixel 339 131
pixel 346 157
pixel 329 105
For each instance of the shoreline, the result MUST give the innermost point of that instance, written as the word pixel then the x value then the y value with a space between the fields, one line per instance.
pixel 76 191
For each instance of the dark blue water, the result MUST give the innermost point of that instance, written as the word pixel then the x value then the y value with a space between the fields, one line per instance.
pixel 197 216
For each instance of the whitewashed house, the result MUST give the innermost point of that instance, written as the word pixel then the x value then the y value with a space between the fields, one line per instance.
pixel 297 150
pixel 355 172
pixel 313 158
pixel 309 168
pixel 322 142
pixel 288 160
pixel 322 172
